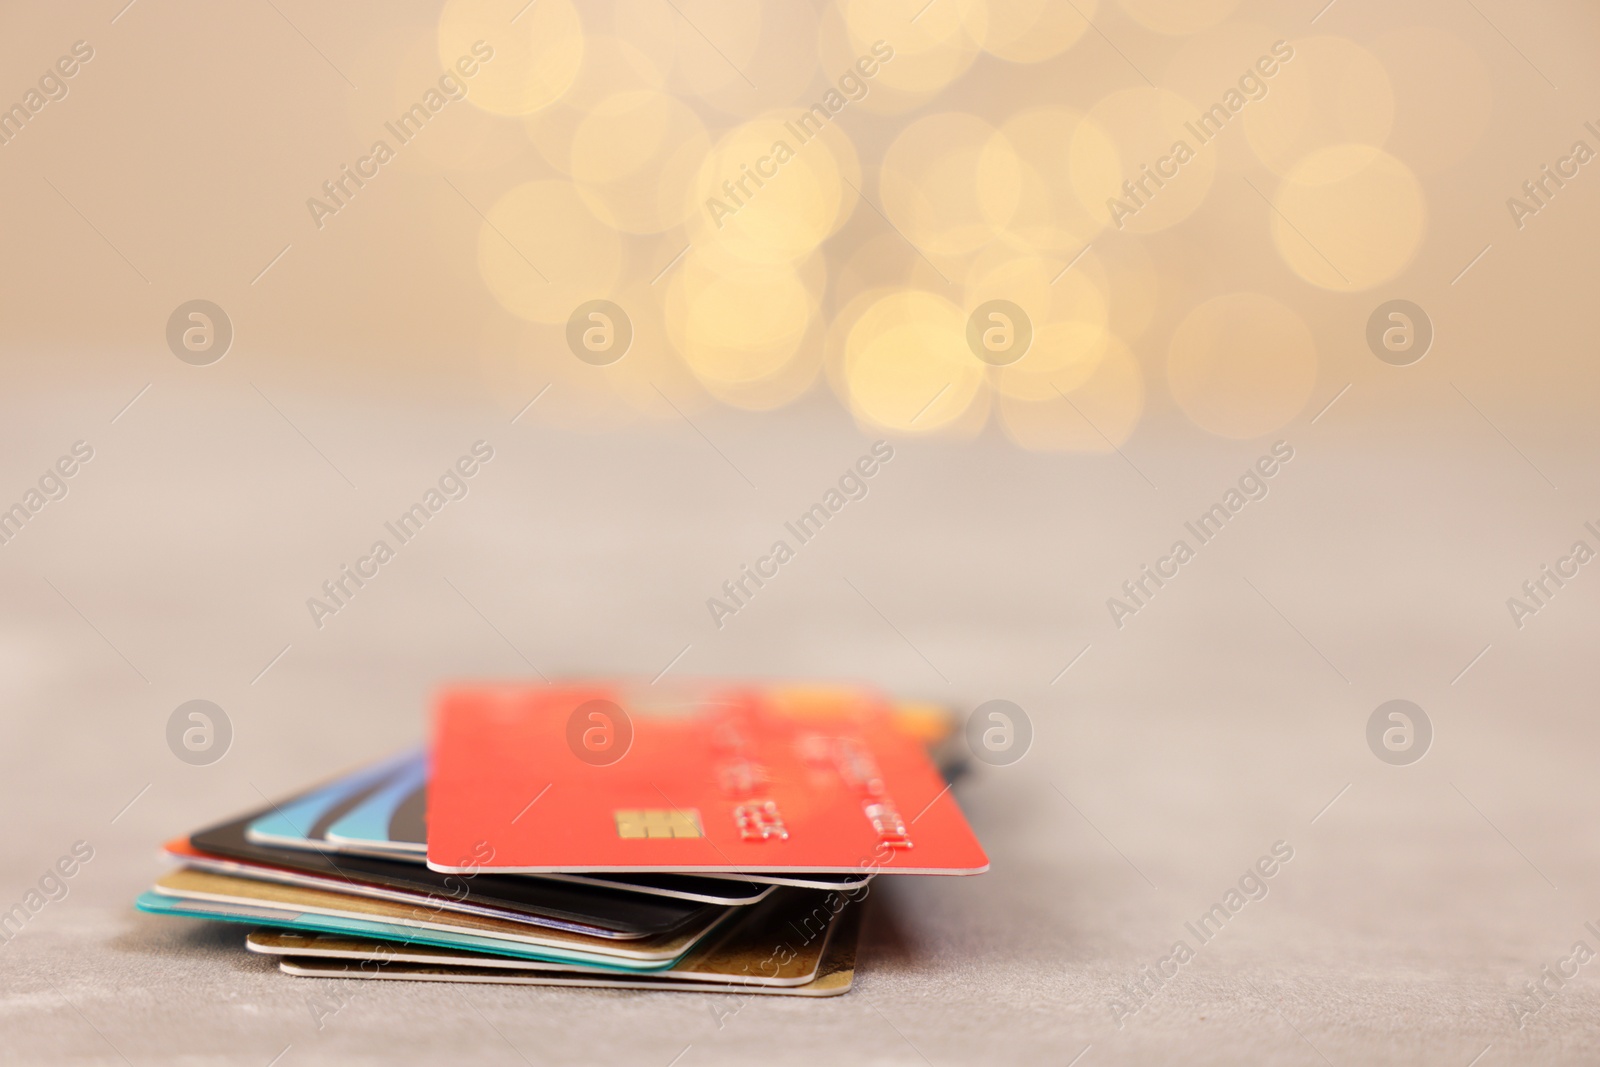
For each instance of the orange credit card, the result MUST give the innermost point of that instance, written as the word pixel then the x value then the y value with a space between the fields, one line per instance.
pixel 613 777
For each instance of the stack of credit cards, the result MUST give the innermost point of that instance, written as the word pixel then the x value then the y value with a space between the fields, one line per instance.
pixel 704 837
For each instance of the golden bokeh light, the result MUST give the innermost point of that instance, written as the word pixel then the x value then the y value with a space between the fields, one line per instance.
pixel 790 382
pixel 788 193
pixel 705 46
pixel 542 253
pixel 1241 365
pixel 1179 16
pixel 651 377
pixel 610 67
pixel 1349 217
pixel 1124 272
pixel 836 335
pixel 1137 163
pixel 773 189
pixel 1441 93
pixel 765 187
pixel 1061 358
pixel 950 182
pixel 884 259
pixel 1234 65
pixel 1049 217
pixel 1045 292
pixel 635 158
pixel 780 69
pixel 522 359
pixel 1026 31
pixel 1331 92
pixel 736 326
pixel 917 51
pixel 626 132
pixel 811 271
pixel 522 66
pixel 907 366
pixel 406 62
pixel 741 59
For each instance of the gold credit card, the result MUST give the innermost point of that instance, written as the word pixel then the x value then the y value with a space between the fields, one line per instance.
pixel 781 942
pixel 830 972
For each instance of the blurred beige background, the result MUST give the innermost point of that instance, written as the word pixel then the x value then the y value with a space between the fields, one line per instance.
pixel 1229 313
pixel 1377 165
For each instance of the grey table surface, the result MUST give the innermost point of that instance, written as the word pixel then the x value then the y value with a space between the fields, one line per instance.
pixel 1170 754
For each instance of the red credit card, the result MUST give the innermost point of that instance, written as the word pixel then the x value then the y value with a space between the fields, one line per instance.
pixel 737 779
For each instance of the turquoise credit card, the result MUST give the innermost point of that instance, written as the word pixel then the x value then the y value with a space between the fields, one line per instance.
pixel 162 904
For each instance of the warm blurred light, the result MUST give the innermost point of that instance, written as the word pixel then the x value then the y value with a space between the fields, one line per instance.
pixel 774 193
pixel 542 253
pixel 1049 217
pixel 1209 64
pixel 406 63
pixel 787 384
pixel 1179 16
pixel 1063 356
pixel 652 377
pixel 625 132
pixel 1123 271
pixel 750 59
pixel 1039 287
pixel 1441 93
pixel 1026 31
pixel 1349 217
pixel 636 157
pixel 949 183
pixel 773 189
pixel 907 364
pixel 835 338
pixel 929 49
pixel 1135 160
pixel 736 326
pixel 534 59
pixel 705 46
pixel 610 67
pixel 1331 92
pixel 1241 365
pixel 883 260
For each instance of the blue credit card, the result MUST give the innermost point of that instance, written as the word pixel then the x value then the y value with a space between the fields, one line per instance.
pixel 221 911
pixel 373 825
pixel 302 822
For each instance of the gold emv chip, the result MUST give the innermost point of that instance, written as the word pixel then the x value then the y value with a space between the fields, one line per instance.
pixel 657 822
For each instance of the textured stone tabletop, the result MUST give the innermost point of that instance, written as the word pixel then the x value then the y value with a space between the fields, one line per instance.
pixel 1225 719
